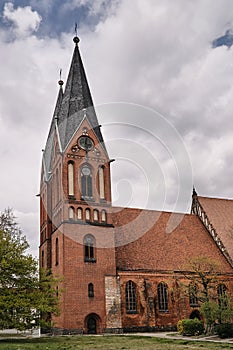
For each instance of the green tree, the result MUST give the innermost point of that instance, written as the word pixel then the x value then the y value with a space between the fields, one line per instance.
pixel 24 297
pixel 203 276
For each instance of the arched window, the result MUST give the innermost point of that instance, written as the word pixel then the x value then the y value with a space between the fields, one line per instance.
pixel 222 296
pixel 79 214
pixel 88 214
pixel 57 187
pixel 162 297
pixel 56 252
pixel 193 299
pixel 101 182
pixel 89 248
pixel 86 181
pixel 90 290
pixel 71 179
pixel 96 215
pixel 71 213
pixel 103 216
pixel 59 182
pixel 42 258
pixel 130 297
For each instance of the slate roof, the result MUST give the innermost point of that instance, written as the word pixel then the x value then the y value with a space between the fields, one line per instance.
pixel 71 108
pixel 156 249
pixel 220 214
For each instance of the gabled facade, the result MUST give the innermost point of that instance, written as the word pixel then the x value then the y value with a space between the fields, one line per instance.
pixel 117 264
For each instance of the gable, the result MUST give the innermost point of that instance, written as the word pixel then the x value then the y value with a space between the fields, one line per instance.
pixel 220 214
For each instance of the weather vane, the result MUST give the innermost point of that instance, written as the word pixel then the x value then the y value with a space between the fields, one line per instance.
pixel 60 72
pixel 75 29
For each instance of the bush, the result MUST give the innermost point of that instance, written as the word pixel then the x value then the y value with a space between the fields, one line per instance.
pixel 190 327
pixel 225 330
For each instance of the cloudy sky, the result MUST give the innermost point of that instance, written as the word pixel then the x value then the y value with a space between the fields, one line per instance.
pixel 169 63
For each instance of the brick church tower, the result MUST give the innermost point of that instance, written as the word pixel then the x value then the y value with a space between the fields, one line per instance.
pixel 121 269
pixel 76 231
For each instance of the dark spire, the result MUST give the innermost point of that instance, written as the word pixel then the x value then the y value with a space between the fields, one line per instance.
pixel 194 192
pixel 71 107
pixel 76 99
pixel 49 144
pixel 59 98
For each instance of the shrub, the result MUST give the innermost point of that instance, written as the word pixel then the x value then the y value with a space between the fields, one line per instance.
pixel 180 327
pixel 190 327
pixel 225 330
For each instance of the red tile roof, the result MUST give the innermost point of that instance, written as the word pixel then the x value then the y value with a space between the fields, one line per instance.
pixel 144 240
pixel 220 214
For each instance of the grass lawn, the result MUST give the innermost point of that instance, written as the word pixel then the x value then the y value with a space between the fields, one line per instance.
pixel 106 343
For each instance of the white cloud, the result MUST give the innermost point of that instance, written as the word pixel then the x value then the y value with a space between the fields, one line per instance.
pixel 102 8
pixel 154 53
pixel 24 19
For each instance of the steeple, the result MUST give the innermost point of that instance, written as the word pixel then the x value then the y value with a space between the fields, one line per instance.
pixel 77 94
pixel 77 101
pixel 47 156
pixel 71 108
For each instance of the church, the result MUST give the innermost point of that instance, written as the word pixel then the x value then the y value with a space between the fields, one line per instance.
pixel 114 278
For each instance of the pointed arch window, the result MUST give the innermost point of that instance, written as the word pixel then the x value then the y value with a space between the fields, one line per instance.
pixel 103 216
pixel 88 214
pixel 101 182
pixel 96 215
pixel 130 297
pixel 42 258
pixel 163 297
pixel 89 248
pixel 59 183
pixel 56 252
pixel 193 299
pixel 222 295
pixel 57 187
pixel 90 290
pixel 79 214
pixel 71 213
pixel 71 179
pixel 86 181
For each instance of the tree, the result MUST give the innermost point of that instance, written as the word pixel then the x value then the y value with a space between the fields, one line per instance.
pixel 24 297
pixel 203 276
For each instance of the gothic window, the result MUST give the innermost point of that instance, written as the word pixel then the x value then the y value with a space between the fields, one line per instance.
pixel 88 214
pixel 57 187
pixel 96 215
pixel 89 248
pixel 193 299
pixel 90 290
pixel 86 181
pixel 71 213
pixel 130 297
pixel 162 297
pixel 103 216
pixel 71 179
pixel 79 214
pixel 59 182
pixel 221 290
pixel 101 182
pixel 56 252
pixel 42 258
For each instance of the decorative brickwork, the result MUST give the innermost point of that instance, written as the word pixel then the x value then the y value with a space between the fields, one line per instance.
pixel 119 267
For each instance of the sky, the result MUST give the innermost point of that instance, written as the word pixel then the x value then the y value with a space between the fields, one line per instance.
pixel 161 76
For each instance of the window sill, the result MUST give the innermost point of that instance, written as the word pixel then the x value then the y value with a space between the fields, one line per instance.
pixel 163 311
pixel 86 199
pixel 131 312
pixel 91 260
